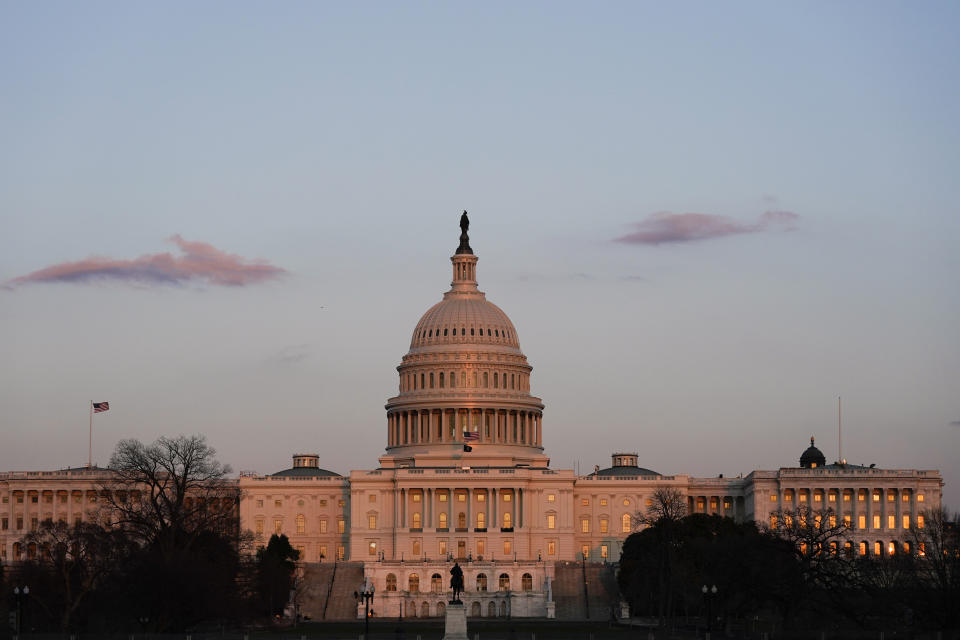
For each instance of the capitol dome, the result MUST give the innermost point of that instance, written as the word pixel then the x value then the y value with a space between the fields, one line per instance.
pixel 464 392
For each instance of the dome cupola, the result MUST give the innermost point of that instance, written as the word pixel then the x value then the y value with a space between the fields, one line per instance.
pixel 464 383
pixel 812 457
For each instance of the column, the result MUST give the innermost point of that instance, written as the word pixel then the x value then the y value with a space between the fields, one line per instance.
pixel 469 510
pixel 519 508
pixel 451 523
pixel 496 509
pixel 489 502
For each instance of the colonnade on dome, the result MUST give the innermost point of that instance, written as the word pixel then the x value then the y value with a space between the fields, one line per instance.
pixel 450 426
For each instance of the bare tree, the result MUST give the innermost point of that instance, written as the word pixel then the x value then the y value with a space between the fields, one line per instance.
pixel 937 545
pixel 667 503
pixel 168 492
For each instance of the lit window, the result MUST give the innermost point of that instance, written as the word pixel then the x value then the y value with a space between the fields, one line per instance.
pixel 861 522
pixel 604 525
pixel 585 525
pixel 481 520
pixel 323 526
pixel 551 548
pixel 461 497
pixel 507 547
pixel 891 522
pixel 773 521
pixel 341 525
pixel 920 521
pixel 278 503
pixel 372 497
pixel 603 502
pixel 876 498
pixel 626 502
pixel 846 497
pixel 481 497
pixel 551 521
pixel 603 551
pixel 876 521
pixel 278 526
pixel 416 497
pixel 443 497
pixel 648 502
pixel 584 502
pixel 341 503
pixel 585 550
pixel 507 520
pixel 372 521
pixel 833 520
pixel 906 522
pixel 301 523
pixel 443 520
pixel 877 548
pixel 442 547
pixel 863 548
pixel 803 497
pixel 773 497
pixel 551 497
pixel 625 523
pixel 891 497
pixel 416 520
pixel 861 496
pixel 259 528
pixel 919 497
pixel 507 497
pixel 817 497
pixel 832 497
pixel 416 547
pixel 905 496
pixel 259 503
pixel 846 521
pixel 372 549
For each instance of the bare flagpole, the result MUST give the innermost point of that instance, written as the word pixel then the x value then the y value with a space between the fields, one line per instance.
pixel 839 430
pixel 90 440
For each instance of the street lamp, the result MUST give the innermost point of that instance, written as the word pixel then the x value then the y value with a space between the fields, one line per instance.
pixel 365 595
pixel 709 594
pixel 19 593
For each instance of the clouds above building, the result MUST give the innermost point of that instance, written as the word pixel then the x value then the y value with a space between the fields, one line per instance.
pixel 199 262
pixel 672 228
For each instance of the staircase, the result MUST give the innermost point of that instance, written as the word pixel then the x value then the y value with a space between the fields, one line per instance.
pixel 326 590
pixel 585 592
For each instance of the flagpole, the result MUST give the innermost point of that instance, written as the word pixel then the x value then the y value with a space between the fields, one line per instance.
pixel 90 440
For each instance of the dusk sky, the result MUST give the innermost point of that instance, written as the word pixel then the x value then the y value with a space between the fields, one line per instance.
pixel 707 221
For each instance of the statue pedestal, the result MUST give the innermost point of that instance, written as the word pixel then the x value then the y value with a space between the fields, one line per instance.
pixel 455 627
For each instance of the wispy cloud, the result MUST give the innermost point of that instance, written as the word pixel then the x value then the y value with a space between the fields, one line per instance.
pixel 955 423
pixel 199 262
pixel 290 354
pixel 667 228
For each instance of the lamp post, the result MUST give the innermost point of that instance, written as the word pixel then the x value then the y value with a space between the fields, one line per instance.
pixel 365 595
pixel 709 594
pixel 19 593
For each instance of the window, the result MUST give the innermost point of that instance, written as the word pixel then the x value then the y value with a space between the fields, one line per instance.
pixel 876 496
pixel 603 551
pixel 905 496
pixel 461 549
pixel 507 547
pixel 413 583
pixel 301 523
pixel 507 497
pixel 803 497
pixel 584 502
pixel 278 503
pixel 299 503
pixel 818 497
pixel 443 519
pixel 4 524
pixel 773 521
pixel 584 525
pixel 481 497
pixel 832 497
pixel 443 497
pixel 861 522
pixel 341 525
pixel 372 497
pixel 551 521
pixel 461 520
pixel 416 520
pixel 919 497
pixel 372 521
pixel 323 526
pixel 278 526
pixel 920 521
pixel 876 521
pixel 481 520
pixel 461 497
pixel 906 522
pixel 323 503
pixel 481 547
pixel 551 548
pixel 481 582
pixel 416 547
pixel 846 497
pixel 507 520
pixel 626 502
pixel 585 551
pixel 603 502
pixel 863 548
pixel 371 548
pixel 442 547
pixel 259 503
pixel 846 521
pixel 604 525
pixel 416 497
pixel 891 522
pixel 625 523
pixel 773 497
pixel 526 582
pixel 891 497
pixel 877 548
pixel 504 582
pixel 391 582
pixel 341 503
pixel 436 583
pixel 551 497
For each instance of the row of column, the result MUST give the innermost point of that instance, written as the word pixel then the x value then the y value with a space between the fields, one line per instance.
pixel 425 514
pixel 854 507
pixel 499 426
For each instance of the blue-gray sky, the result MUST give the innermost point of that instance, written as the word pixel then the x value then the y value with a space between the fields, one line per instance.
pixel 706 221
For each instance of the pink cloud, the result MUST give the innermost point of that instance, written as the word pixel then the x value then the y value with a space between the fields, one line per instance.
pixel 661 228
pixel 199 262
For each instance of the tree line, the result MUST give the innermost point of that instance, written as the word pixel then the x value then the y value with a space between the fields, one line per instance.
pixel 163 552
pixel 803 572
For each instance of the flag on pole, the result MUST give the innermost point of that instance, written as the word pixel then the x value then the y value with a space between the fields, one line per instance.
pixel 471 436
pixel 100 407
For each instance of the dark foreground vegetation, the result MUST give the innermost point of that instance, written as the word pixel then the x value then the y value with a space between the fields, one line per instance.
pixel 166 556
pixel 806 574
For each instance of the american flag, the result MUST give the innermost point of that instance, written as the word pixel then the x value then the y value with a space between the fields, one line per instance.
pixel 471 436
pixel 99 407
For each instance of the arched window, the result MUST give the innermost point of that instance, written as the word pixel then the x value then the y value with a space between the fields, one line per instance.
pixel 486 380
pixel 431 380
pixel 481 582
pixel 443 520
pixel 492 610
pixel 444 331
pixel 436 583
pixel 496 380
pixel 453 380
pixel 413 583
pixel 471 331
pixel 461 520
pixel 416 520
pixel 481 520
pixel 463 331
pixel 424 610
pixel 441 609
pixel 422 380
pixel 507 520
pixel 301 523
pixel 441 379
pixel 625 523
pixel 504 582
pixel 475 609
pixel 463 378
pixel 16 551
pixel 526 582
pixel 391 582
